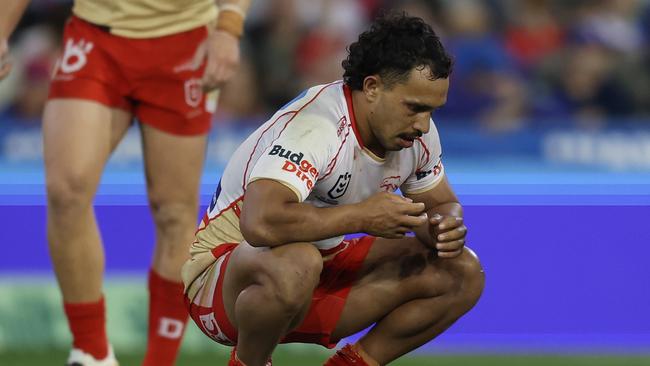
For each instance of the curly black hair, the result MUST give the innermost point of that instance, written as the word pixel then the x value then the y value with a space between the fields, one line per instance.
pixel 394 45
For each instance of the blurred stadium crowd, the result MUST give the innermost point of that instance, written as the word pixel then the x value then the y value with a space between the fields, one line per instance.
pixel 517 62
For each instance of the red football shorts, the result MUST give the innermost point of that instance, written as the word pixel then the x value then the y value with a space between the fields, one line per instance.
pixel 336 280
pixel 151 78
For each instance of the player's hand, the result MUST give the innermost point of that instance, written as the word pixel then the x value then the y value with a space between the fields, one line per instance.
pixel 391 216
pixel 5 61
pixel 221 53
pixel 449 233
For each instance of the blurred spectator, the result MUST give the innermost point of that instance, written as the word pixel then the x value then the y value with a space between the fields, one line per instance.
pixel 599 74
pixel 644 90
pixel 239 102
pixel 485 85
pixel 516 61
pixel 587 86
pixel 616 24
pixel 35 54
pixel 533 32
pixel 299 43
pixel 319 56
pixel 430 11
pixel 274 38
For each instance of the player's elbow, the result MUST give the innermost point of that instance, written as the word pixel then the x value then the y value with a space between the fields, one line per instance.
pixel 257 231
pixel 259 237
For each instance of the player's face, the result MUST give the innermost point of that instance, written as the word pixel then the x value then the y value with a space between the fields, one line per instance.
pixel 401 113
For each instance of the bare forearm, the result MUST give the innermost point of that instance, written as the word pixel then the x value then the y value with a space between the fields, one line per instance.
pixel 447 209
pixel 10 16
pixel 301 222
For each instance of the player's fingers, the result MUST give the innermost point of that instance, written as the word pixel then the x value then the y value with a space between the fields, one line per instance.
pixel 448 255
pixel 5 61
pixel 208 85
pixel 222 75
pixel 451 235
pixel 210 79
pixel 217 76
pixel 415 208
pixel 208 72
pixel 200 55
pixel 435 219
pixel 4 48
pixel 394 235
pixel 451 246
pixel 450 222
pixel 4 71
pixel 414 221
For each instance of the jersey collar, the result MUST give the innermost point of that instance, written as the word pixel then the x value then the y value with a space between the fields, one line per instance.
pixel 353 121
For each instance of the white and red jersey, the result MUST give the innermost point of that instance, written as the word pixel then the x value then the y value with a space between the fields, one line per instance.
pixel 311 145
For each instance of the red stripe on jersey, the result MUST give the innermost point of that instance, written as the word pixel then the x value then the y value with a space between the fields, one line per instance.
pixel 237 210
pixel 204 222
pixel 255 147
pixel 348 101
pixel 285 126
pixel 332 163
pixel 426 151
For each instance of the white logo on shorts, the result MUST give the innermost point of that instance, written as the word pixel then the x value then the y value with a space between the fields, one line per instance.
pixel 74 55
pixel 193 92
pixel 212 329
pixel 170 328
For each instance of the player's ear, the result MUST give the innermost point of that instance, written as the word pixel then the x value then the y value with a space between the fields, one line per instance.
pixel 371 86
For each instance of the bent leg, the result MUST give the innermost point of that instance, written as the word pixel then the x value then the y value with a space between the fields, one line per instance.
pixel 78 137
pixel 410 294
pixel 267 293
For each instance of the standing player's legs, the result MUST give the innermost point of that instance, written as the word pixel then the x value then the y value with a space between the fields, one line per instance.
pixel 411 295
pixel 173 165
pixel 78 137
pixel 175 120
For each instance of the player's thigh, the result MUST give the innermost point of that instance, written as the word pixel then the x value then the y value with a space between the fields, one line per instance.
pixel 290 270
pixel 173 165
pixel 394 272
pixel 78 137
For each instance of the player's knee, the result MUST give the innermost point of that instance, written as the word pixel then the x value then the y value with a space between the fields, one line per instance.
pixel 68 193
pixel 469 277
pixel 170 217
pixel 294 279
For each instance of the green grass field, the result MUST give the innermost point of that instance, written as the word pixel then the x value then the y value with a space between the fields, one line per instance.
pixel 284 358
pixel 33 332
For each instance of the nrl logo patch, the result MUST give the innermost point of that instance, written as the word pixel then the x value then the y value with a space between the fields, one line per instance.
pixel 340 187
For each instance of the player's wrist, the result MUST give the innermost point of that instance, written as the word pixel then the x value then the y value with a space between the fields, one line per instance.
pixel 219 36
pixel 362 223
pixel 231 20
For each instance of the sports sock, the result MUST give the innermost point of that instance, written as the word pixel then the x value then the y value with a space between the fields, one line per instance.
pixel 167 319
pixel 87 323
pixel 350 355
pixel 234 361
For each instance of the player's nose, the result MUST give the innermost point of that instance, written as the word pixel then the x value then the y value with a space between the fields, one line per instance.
pixel 421 123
